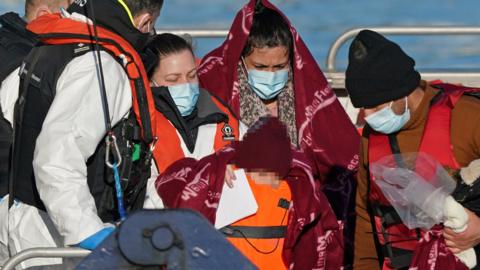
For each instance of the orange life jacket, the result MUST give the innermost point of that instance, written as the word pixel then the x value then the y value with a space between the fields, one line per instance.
pixel 265 253
pixel 396 240
pixel 169 150
pixel 265 250
pixel 53 29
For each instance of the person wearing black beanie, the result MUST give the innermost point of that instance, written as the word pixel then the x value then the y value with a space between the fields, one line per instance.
pixel 380 77
pixel 404 114
pixel 379 71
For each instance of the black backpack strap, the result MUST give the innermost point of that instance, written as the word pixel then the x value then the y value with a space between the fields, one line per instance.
pixel 18 116
pixel 392 139
pixel 6 132
pixel 39 75
pixel 399 258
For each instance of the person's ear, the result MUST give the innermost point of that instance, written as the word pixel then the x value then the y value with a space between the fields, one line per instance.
pixel 41 10
pixel 144 22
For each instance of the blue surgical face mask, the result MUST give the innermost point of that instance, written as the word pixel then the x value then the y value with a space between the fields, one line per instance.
pixel 266 84
pixel 386 121
pixel 185 97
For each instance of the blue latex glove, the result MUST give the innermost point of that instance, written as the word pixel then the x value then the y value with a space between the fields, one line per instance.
pixel 94 240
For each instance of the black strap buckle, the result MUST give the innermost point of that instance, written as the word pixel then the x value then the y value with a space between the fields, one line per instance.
pixel 258 232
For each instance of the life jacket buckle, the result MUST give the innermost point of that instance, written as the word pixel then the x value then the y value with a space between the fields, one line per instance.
pixel 227 230
pixel 149 155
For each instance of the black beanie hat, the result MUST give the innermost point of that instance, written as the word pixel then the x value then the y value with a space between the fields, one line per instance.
pixel 378 71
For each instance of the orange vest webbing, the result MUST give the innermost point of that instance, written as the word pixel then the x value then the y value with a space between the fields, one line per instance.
pixel 53 29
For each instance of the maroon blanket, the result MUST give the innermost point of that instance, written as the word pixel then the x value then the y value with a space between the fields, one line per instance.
pixel 432 253
pixel 323 126
pixel 314 238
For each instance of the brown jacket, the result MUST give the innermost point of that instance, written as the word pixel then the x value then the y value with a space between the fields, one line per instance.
pixel 465 135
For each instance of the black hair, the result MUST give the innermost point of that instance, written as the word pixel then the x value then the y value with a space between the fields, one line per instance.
pixel 139 6
pixel 269 29
pixel 163 45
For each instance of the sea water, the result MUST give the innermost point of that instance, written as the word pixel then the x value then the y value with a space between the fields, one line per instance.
pixel 320 22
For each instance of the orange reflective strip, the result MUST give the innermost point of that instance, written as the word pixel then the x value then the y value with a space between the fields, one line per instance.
pixel 168 148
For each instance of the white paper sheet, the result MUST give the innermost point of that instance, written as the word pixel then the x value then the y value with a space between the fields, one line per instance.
pixel 237 202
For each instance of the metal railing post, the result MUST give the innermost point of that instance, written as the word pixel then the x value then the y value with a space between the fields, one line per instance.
pixel 196 33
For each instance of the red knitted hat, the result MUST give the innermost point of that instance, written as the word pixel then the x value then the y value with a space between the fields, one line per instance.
pixel 266 146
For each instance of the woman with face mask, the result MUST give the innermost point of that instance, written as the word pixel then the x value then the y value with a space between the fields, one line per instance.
pixel 264 68
pixel 190 122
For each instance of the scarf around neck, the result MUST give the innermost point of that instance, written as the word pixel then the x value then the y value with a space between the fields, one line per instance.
pixel 252 106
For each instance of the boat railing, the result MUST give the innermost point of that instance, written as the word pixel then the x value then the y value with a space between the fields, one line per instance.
pixel 471 78
pixel 31 253
pixel 336 77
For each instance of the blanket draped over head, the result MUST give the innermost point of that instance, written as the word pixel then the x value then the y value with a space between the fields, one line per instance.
pixel 324 128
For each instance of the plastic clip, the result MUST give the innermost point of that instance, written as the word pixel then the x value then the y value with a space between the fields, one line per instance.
pixel 150 151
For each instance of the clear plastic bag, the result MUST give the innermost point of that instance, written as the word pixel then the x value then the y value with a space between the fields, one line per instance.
pixel 416 185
